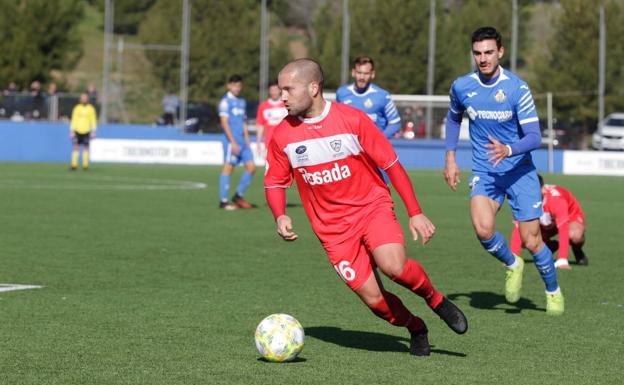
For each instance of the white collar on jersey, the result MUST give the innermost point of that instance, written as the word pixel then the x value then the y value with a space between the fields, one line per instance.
pixel 274 102
pixel 230 95
pixel 371 88
pixel 501 76
pixel 317 119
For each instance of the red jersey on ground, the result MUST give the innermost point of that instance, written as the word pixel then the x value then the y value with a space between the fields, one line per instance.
pixel 335 159
pixel 270 114
pixel 561 205
pixel 560 208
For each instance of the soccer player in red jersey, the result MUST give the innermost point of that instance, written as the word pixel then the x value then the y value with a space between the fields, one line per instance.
pixel 334 152
pixel 270 114
pixel 563 216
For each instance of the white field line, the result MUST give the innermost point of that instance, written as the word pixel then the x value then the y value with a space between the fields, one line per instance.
pixel 85 182
pixel 15 286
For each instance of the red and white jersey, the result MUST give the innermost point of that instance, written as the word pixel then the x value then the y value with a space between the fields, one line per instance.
pixel 559 205
pixel 270 114
pixel 335 159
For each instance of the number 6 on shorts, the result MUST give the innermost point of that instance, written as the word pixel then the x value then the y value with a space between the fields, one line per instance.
pixel 345 271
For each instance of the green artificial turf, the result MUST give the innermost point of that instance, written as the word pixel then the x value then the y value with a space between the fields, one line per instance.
pixel 147 282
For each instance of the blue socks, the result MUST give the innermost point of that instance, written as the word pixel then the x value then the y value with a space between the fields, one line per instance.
pixel 497 246
pixel 546 267
pixel 224 187
pixel 244 183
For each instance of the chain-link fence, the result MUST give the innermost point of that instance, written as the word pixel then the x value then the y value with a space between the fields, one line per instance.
pixel 22 106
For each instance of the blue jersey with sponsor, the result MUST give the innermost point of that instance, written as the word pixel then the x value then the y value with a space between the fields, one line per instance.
pixel 503 109
pixel 234 109
pixel 375 102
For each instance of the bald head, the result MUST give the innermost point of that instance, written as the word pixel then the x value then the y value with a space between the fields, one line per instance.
pixel 305 71
pixel 301 83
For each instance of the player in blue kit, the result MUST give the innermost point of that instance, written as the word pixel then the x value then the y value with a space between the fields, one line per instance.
pixel 370 98
pixel 236 145
pixel 504 129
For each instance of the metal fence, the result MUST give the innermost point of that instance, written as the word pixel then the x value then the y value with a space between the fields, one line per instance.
pixel 21 106
pixel 203 118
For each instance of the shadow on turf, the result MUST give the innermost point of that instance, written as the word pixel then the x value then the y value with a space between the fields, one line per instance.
pixel 493 301
pixel 296 360
pixel 376 342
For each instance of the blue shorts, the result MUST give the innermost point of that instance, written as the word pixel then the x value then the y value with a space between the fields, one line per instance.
pixel 522 188
pixel 245 155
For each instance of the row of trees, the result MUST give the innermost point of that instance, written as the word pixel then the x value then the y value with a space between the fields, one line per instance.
pixel 557 52
pixel 557 45
pixel 38 37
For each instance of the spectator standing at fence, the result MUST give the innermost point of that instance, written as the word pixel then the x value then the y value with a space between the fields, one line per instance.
pixel 170 104
pixel 82 130
pixel 37 100
pixel 92 93
pixel 10 90
pixel 52 89
pixel 270 114
pixel 8 102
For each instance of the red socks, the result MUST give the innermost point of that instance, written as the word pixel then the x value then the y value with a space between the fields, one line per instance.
pixel 414 278
pixel 392 310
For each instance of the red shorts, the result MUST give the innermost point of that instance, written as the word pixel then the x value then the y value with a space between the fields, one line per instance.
pixel 579 217
pixel 353 257
pixel 551 231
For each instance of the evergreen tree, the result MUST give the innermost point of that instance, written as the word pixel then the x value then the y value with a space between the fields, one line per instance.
pixel 128 14
pixel 225 40
pixel 457 20
pixel 571 69
pixel 37 37
pixel 395 33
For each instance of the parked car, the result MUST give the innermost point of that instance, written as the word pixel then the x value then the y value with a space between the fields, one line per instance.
pixel 610 134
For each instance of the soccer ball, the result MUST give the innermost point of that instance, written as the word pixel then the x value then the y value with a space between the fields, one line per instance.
pixel 279 337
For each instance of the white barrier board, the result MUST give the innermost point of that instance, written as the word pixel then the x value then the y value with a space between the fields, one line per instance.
pixel 593 163
pixel 160 151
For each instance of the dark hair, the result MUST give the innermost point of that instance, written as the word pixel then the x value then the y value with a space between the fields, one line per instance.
pixel 235 79
pixel 486 33
pixel 541 180
pixel 361 60
pixel 273 83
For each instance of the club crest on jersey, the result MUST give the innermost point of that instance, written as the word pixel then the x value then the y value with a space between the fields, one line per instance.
pixel 335 145
pixel 368 103
pixel 500 96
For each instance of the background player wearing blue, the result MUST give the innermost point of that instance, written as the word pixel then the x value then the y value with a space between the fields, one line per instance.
pixel 370 98
pixel 236 145
pixel 504 129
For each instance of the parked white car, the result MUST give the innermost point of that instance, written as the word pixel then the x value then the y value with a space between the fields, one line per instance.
pixel 611 135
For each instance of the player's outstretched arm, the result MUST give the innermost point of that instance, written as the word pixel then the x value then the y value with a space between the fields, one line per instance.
pixel 259 142
pixel 276 198
pixel 391 130
pixel 284 228
pixel 452 127
pixel 420 224
pixel 246 133
pixel 451 171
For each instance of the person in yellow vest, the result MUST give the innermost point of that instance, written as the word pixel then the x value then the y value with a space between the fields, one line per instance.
pixel 82 129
